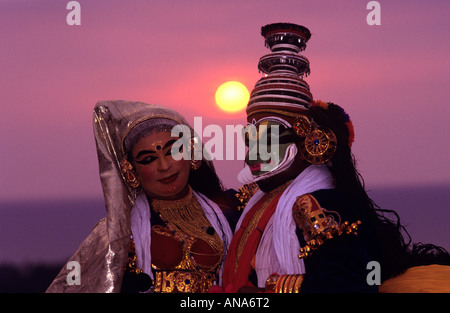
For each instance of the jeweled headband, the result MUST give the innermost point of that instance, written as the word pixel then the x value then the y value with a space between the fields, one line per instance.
pixel 145 128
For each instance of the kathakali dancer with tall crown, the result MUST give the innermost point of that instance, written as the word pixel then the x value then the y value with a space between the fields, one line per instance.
pixel 167 225
pixel 309 225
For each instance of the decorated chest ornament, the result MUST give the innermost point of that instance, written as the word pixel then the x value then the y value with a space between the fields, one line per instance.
pixel 245 193
pixel 318 144
pixel 318 224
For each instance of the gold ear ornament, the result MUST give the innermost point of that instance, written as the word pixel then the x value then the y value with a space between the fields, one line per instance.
pixel 129 174
pixel 319 143
pixel 195 164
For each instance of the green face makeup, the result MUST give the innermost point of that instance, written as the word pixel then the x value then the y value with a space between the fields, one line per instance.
pixel 267 143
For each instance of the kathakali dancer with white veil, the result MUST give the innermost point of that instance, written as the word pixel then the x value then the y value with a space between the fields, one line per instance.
pixel 310 226
pixel 167 227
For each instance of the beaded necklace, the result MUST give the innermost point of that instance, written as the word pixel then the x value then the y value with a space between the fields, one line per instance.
pixel 186 216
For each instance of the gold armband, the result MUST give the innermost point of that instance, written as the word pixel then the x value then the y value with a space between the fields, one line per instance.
pixel 344 229
pixel 319 225
pixel 284 283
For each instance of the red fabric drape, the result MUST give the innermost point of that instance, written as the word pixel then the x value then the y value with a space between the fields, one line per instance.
pixel 235 279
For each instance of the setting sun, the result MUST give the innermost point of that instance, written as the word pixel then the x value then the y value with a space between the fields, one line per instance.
pixel 232 96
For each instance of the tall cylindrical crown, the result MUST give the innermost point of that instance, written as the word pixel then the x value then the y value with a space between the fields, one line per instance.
pixel 282 88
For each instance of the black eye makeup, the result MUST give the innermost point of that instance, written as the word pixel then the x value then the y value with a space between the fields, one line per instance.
pixel 146 160
pixel 148 156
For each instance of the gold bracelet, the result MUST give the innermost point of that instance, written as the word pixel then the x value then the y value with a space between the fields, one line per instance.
pixel 290 288
pixel 286 284
pixel 271 282
pixel 298 284
pixel 280 283
pixel 289 283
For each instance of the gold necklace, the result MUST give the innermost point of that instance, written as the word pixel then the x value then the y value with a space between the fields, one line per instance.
pixel 187 216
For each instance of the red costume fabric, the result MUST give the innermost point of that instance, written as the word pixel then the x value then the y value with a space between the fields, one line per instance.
pixel 238 265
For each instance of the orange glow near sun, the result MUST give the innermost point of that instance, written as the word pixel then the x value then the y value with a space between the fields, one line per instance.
pixel 232 96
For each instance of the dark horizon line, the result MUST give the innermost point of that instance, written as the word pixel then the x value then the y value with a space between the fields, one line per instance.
pixel 368 187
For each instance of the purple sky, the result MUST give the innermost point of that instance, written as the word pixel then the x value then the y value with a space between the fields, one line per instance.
pixel 392 79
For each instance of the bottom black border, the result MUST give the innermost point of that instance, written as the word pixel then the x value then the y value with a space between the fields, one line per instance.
pixel 258 302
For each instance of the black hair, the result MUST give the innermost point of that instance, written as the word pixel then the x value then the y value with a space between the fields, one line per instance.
pixel 390 240
pixel 206 181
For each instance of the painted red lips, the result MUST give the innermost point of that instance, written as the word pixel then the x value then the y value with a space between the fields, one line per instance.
pixel 169 179
pixel 255 167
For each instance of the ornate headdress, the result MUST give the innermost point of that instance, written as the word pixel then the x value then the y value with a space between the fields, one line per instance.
pixel 282 92
pixel 283 96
